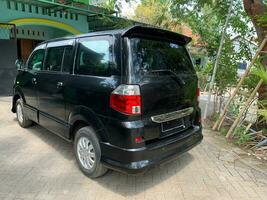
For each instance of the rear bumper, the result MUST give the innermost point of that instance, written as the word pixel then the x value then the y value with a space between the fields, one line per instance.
pixel 133 161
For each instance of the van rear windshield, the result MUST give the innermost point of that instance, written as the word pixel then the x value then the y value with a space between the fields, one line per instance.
pixel 149 56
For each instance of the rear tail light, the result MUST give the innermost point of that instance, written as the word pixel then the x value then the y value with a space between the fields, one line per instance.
pixel 126 99
pixel 139 139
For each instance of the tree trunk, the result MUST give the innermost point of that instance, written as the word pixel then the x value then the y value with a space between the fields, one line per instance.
pixel 256 9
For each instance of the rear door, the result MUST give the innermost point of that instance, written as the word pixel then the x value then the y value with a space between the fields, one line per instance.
pixel 165 74
pixel 52 84
pixel 167 80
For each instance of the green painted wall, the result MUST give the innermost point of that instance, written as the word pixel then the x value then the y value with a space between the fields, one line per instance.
pixel 39 32
pixel 16 10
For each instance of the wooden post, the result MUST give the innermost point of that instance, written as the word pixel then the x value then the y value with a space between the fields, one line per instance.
pixel 243 109
pixel 219 122
pixel 247 128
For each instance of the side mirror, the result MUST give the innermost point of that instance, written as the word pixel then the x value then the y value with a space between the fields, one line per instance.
pixel 19 64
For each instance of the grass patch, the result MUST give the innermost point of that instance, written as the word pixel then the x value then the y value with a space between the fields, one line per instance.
pixel 240 136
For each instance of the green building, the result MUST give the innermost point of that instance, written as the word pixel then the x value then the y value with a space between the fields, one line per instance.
pixel 25 23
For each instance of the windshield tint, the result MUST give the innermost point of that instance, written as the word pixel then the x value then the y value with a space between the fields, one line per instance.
pixel 150 57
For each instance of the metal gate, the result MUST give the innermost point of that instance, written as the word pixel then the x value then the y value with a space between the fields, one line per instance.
pixel 8 56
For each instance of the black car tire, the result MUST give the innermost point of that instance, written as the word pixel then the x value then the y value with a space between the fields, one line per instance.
pixel 22 118
pixel 97 169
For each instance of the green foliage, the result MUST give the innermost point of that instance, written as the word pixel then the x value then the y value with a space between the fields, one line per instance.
pixel 263 113
pixel 110 22
pixel 207 68
pixel 262 19
pixel 241 137
pixel 234 109
pixel 206 18
pixel 107 4
pixel 255 75
pixel 261 72
pixel 223 131
pixel 155 12
pixel 204 75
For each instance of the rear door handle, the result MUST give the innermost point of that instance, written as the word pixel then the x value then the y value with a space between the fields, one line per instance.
pixel 34 81
pixel 59 84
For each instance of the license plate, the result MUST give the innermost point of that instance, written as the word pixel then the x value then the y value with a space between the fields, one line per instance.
pixel 171 125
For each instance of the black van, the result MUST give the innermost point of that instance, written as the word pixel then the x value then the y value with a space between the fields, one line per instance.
pixel 127 98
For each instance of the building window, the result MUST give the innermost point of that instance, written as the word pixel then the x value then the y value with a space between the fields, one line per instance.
pixel 36 9
pixel 60 14
pixel 8 4
pixel 76 16
pixel 23 7
pixel 30 8
pixel 55 13
pixel 33 32
pixel 22 31
pixel 71 15
pixel 16 5
pixel 43 11
pixel 66 15
pixel 43 34
pixel 49 12
pixel 29 32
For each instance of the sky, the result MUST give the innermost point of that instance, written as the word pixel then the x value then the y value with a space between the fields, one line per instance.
pixel 129 8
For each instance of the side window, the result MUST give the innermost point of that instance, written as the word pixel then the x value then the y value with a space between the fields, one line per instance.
pixel 36 60
pixel 68 59
pixel 53 59
pixel 94 58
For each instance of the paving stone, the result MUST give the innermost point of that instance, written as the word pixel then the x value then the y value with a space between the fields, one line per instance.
pixel 36 164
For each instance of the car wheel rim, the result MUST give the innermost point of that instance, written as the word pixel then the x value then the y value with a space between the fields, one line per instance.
pixel 19 113
pixel 86 152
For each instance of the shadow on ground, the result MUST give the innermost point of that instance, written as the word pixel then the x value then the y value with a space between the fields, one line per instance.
pixel 155 177
pixel 116 182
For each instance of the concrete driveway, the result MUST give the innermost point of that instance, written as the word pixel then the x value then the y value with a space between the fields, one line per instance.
pixel 35 164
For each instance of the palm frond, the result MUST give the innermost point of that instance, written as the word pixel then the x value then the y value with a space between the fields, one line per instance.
pixel 261 72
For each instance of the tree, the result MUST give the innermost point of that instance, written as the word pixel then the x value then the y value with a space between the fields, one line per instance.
pixel 257 11
pixel 155 12
pixel 262 73
pixel 207 18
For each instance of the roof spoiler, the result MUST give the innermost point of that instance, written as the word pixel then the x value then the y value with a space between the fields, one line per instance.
pixel 140 31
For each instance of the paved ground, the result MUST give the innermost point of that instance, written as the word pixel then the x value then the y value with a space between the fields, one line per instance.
pixel 35 164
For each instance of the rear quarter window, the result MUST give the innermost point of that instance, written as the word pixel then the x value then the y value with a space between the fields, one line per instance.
pixel 95 58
